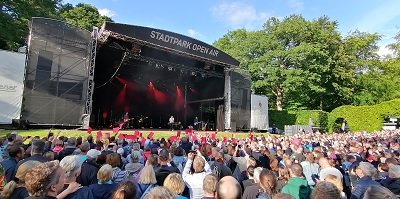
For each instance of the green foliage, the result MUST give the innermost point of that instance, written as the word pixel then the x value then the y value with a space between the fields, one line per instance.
pixel 281 118
pixel 320 118
pixel 368 118
pixel 14 18
pixel 84 15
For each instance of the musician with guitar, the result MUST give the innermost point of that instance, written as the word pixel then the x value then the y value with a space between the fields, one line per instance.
pixel 196 124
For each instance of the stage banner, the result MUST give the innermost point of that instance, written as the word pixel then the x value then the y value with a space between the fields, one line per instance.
pixel 12 67
pixel 259 112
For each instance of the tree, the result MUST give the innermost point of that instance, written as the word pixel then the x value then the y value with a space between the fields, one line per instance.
pixel 294 61
pixel 84 15
pixel 14 18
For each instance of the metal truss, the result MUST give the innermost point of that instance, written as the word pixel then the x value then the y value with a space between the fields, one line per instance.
pixel 90 88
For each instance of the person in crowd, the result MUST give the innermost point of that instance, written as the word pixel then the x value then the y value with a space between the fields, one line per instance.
pixel 194 178
pixel 218 167
pixel 133 168
pixel 16 189
pixel 327 168
pixel 228 188
pixel 325 190
pixel 105 186
pixel 160 193
pixel 297 155
pixel 114 160
pixel 89 168
pixel 392 182
pixel 266 188
pixel 152 160
pixel 364 171
pixel 72 169
pixel 37 149
pixel 84 147
pixel 283 178
pixel 383 170
pixel 297 186
pixel 250 174
pixel 59 146
pixel 210 186
pixel 46 181
pixel 391 161
pixel 283 196
pixel 69 148
pixel 146 181
pixel 339 184
pixel 125 190
pixel 179 158
pixel 378 192
pixel 163 169
pixel 310 168
pixel 15 153
pixel 175 184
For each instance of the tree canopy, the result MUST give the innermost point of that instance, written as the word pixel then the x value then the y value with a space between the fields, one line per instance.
pixel 15 15
pixel 301 64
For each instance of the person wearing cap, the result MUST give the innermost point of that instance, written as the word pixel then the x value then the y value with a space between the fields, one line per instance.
pixel 89 168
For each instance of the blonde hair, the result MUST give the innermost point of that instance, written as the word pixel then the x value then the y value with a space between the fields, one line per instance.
pixel 335 180
pixel 147 175
pixel 198 164
pixel 160 193
pixel 174 183
pixel 20 175
pixel 210 184
pixel 105 173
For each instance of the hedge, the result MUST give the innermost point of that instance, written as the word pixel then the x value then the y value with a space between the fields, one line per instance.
pixel 320 118
pixel 368 118
pixel 281 118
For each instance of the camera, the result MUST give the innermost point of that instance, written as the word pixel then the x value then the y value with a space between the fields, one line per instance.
pixel 314 177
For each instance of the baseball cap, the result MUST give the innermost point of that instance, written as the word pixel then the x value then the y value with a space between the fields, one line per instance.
pixel 93 153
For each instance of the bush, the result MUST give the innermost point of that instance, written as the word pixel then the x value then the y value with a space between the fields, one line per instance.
pixel 368 118
pixel 320 118
pixel 281 118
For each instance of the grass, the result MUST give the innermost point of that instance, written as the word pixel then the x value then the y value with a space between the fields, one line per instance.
pixel 157 134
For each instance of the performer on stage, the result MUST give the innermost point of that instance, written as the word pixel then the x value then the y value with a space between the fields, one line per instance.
pixel 126 121
pixel 171 123
pixel 196 123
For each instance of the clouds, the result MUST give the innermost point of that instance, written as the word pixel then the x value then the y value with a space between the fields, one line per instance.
pixel 107 12
pixel 194 33
pixel 239 15
pixel 297 5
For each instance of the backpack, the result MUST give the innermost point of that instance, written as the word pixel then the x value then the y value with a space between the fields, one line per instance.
pixel 132 176
pixel 2 178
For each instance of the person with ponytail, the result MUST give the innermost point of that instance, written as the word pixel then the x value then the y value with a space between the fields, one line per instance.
pixel 15 189
pixel 125 190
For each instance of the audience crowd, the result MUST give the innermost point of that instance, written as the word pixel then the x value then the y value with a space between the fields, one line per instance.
pixel 307 165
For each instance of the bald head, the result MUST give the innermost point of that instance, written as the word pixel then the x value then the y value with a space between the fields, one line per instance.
pixel 229 188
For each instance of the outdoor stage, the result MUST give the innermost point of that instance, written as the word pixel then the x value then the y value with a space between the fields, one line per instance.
pixel 138 75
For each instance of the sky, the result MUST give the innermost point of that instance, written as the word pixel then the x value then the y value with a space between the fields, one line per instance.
pixel 209 20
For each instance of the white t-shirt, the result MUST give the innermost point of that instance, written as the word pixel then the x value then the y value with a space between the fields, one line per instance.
pixel 330 171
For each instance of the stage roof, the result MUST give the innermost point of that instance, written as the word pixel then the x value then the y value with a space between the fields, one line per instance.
pixel 167 41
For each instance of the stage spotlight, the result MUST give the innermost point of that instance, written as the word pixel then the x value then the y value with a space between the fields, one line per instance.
pixel 169 68
pixel 203 75
pixel 193 73
pixel 182 71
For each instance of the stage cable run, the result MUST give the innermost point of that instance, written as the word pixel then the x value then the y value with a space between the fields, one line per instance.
pixel 116 71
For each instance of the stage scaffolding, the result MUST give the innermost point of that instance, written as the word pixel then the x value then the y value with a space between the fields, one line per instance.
pixel 57 76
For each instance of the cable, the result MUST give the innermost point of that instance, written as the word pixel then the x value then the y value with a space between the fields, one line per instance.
pixel 116 71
